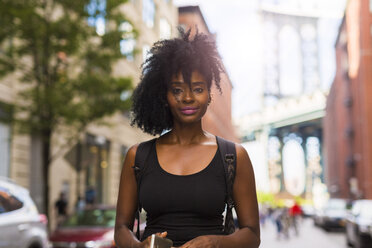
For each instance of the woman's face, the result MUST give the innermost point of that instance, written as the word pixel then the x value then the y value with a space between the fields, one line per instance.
pixel 188 102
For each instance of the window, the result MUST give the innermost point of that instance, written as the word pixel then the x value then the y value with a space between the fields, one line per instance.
pixel 8 202
pixel 148 12
pixel 145 52
pixel 97 10
pixel 128 42
pixel 165 29
pixel 4 149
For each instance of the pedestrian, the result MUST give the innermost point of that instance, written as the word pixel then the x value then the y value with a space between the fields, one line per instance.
pixel 286 222
pixel 295 213
pixel 263 210
pixel 183 188
pixel 80 204
pixel 277 218
pixel 90 196
pixel 61 207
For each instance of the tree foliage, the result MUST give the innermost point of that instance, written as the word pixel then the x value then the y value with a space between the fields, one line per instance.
pixel 55 46
pixel 56 50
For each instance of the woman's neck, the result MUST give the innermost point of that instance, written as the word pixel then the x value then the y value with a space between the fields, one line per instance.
pixel 186 134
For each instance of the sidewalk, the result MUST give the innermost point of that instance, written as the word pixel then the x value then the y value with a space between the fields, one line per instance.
pixel 309 237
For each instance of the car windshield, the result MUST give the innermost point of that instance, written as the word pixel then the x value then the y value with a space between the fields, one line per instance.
pixel 336 204
pixel 92 217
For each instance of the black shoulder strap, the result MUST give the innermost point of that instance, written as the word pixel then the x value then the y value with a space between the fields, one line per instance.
pixel 143 151
pixel 228 154
pixel 140 165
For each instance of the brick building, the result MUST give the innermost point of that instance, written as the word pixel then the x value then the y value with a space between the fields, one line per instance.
pixel 348 121
pixel 218 118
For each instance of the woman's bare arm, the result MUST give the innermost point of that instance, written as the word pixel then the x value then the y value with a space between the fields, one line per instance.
pixel 246 205
pixel 127 204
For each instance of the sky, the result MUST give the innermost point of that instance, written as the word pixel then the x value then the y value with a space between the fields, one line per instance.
pixel 237 24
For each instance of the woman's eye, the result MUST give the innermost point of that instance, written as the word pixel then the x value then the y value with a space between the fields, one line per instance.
pixel 199 90
pixel 176 91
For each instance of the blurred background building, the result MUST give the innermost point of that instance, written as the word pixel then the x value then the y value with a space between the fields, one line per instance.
pixel 348 121
pixel 285 138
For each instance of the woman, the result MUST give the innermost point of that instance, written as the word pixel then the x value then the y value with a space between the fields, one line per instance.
pixel 183 189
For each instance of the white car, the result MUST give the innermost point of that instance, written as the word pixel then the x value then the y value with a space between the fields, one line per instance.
pixel 333 214
pixel 359 224
pixel 21 225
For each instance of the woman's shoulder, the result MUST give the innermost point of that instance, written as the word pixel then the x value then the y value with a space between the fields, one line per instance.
pixel 238 147
pixel 241 152
pixel 133 149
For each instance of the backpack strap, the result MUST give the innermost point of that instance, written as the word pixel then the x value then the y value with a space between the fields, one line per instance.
pixel 140 165
pixel 228 154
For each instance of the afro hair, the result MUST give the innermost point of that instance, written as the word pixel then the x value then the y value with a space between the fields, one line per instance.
pixel 167 58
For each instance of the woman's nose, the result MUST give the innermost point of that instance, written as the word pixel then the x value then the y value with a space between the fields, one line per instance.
pixel 188 96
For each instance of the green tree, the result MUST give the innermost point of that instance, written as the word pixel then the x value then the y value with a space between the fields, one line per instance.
pixel 62 52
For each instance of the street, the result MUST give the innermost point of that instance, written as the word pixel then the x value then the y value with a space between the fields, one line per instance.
pixel 309 236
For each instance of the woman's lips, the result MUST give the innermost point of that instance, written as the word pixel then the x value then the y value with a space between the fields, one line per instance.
pixel 189 110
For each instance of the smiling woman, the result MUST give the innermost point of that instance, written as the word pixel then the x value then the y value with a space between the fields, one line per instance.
pixel 173 61
pixel 188 102
pixel 189 176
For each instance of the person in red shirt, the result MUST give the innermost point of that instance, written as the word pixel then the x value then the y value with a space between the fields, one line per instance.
pixel 295 213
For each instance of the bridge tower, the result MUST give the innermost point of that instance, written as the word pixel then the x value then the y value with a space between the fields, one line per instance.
pixel 288 130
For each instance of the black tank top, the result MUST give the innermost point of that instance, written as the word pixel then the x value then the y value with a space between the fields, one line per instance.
pixel 184 206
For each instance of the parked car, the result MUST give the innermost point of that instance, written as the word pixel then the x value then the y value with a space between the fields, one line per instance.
pixel 333 215
pixel 359 224
pixel 91 227
pixel 308 210
pixel 21 225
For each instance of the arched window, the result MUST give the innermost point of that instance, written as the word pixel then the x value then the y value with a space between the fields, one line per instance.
pixel 294 165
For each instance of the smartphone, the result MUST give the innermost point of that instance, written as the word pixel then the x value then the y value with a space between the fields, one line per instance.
pixel 159 242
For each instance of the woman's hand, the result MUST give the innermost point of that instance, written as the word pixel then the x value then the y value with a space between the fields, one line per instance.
pixel 147 242
pixel 207 241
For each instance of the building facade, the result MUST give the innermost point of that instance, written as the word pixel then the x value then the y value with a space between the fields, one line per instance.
pixel 348 121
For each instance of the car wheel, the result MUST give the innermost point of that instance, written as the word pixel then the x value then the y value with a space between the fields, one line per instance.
pixel 36 245
pixel 362 242
pixel 326 228
pixel 315 222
